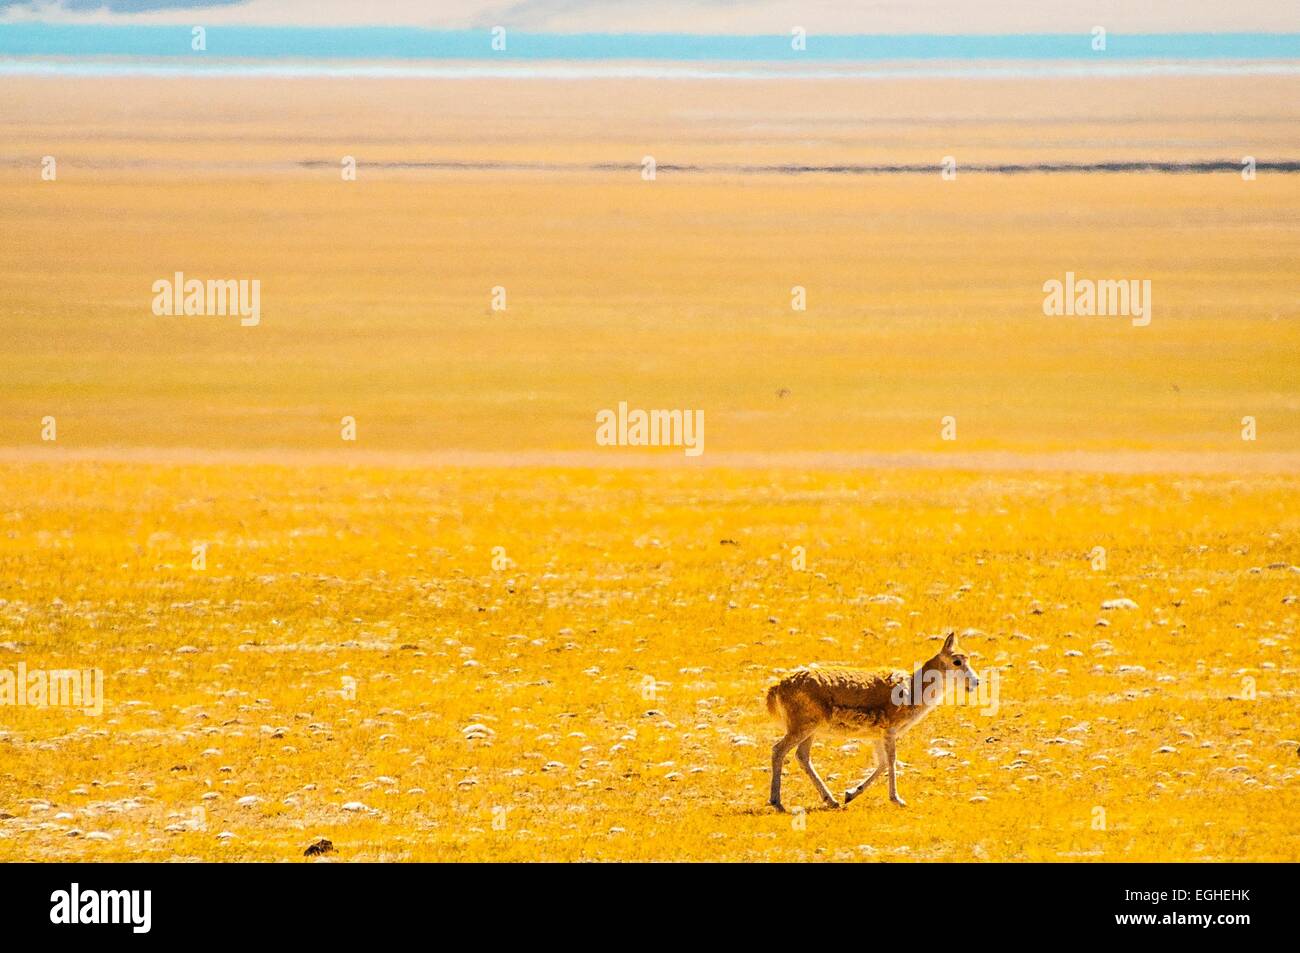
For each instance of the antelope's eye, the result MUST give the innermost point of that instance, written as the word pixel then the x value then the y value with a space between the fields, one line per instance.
pixel 958 662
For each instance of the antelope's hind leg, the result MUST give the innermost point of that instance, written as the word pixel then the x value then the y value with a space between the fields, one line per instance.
pixel 804 754
pixel 780 751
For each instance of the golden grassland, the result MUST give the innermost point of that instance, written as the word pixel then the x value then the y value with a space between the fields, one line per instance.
pixel 350 664
pixel 924 296
pixel 617 662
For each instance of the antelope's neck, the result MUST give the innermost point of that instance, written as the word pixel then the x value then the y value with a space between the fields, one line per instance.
pixel 920 679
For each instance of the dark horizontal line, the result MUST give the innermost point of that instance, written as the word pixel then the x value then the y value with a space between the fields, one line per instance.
pixel 1010 168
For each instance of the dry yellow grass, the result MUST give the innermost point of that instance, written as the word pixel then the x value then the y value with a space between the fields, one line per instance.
pixel 385 577
pixel 349 628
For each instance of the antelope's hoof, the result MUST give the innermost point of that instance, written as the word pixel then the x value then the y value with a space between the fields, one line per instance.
pixel 832 804
pixel 899 801
pixel 849 796
pixel 777 805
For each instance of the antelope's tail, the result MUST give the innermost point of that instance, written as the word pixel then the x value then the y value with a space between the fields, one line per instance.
pixel 774 702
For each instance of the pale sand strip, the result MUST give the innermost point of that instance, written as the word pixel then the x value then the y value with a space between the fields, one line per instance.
pixel 1247 461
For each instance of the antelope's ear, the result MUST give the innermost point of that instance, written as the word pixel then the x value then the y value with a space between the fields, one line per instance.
pixel 947 643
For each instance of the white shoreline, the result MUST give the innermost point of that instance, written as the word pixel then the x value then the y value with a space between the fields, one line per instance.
pixel 569 71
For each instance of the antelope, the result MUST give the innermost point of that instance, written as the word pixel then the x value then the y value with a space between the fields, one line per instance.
pixel 880 705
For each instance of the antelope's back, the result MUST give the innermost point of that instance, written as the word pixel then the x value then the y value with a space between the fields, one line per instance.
pixel 863 689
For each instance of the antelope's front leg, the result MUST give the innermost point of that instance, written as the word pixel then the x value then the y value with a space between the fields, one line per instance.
pixel 890 760
pixel 862 785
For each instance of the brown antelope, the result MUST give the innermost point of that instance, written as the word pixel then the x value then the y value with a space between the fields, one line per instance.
pixel 880 705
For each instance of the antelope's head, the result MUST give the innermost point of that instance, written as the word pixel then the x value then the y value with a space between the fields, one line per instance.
pixel 952 659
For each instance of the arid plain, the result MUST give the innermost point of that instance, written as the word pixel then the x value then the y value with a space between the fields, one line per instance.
pixel 472 633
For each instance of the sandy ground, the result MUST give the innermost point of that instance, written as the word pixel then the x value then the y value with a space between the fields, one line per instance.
pixel 924 296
